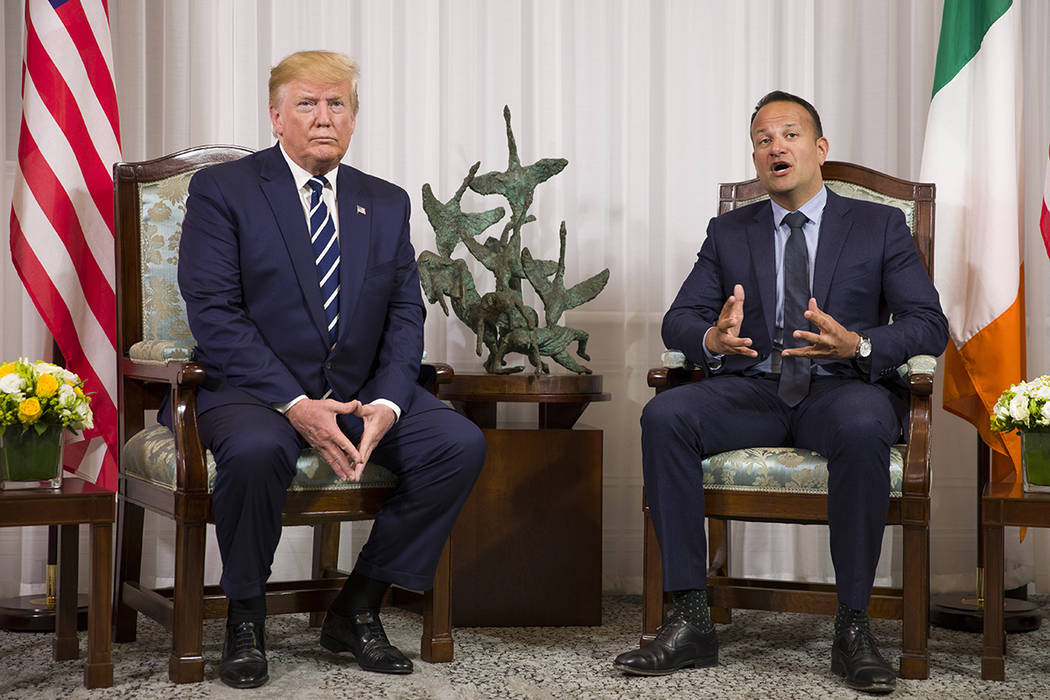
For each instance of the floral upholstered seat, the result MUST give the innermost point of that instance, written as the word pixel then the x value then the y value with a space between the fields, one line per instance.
pixel 788 469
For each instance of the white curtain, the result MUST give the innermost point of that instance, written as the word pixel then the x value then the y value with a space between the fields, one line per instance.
pixel 649 102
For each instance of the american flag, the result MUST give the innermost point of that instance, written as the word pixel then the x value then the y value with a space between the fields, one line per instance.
pixel 62 204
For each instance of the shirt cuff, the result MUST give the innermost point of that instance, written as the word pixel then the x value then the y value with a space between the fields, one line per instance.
pixel 714 362
pixel 283 407
pixel 391 405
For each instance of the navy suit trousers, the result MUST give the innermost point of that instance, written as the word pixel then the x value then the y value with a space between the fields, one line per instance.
pixel 436 454
pixel 849 421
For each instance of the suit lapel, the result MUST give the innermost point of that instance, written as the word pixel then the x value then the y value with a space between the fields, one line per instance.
pixel 760 244
pixel 287 207
pixel 835 225
pixel 355 232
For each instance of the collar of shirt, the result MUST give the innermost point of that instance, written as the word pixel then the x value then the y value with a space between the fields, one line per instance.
pixel 813 209
pixel 301 177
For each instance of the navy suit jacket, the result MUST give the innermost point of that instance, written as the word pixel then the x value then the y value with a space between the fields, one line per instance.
pixel 867 267
pixel 247 274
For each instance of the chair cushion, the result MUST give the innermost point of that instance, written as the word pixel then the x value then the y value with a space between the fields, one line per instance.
pixel 150 455
pixel 787 469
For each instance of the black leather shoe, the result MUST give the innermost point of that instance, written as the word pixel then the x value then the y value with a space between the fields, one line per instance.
pixel 855 657
pixel 243 663
pixel 679 644
pixel 362 634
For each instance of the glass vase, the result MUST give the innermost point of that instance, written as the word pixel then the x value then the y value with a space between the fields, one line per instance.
pixel 29 460
pixel 1035 461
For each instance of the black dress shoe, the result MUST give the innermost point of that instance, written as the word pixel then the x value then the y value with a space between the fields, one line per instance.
pixel 363 635
pixel 679 644
pixel 855 657
pixel 243 663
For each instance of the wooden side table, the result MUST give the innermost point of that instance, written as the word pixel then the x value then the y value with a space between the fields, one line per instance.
pixel 527 546
pixel 1003 504
pixel 75 503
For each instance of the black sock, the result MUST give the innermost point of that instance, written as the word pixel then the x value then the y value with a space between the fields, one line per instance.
pixel 845 616
pixel 246 610
pixel 359 594
pixel 691 606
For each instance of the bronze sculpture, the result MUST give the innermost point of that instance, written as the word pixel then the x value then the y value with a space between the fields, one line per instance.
pixel 501 320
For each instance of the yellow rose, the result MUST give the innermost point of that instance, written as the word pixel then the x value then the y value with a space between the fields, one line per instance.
pixel 7 368
pixel 78 391
pixel 46 385
pixel 29 411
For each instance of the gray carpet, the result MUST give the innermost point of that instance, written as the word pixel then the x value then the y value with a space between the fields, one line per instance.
pixel 763 655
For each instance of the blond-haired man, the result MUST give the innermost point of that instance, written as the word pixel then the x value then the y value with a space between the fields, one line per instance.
pixel 302 292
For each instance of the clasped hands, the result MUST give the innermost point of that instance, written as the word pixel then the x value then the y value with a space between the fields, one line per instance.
pixel 833 342
pixel 315 419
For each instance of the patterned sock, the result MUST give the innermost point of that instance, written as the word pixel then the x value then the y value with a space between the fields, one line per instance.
pixel 691 606
pixel 846 617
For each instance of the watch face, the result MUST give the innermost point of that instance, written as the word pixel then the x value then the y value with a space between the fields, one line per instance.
pixel 864 350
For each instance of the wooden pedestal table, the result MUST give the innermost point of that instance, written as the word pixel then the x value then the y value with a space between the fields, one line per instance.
pixel 527 547
pixel 74 503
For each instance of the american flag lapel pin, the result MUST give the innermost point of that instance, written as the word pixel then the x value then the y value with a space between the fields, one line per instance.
pixel 361 210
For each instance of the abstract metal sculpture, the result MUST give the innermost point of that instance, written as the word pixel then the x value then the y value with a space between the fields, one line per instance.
pixel 501 320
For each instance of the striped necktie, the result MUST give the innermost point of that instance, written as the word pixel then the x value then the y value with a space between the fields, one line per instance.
pixel 326 253
pixel 794 371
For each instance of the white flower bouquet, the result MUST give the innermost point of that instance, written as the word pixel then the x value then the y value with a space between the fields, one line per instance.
pixel 1024 407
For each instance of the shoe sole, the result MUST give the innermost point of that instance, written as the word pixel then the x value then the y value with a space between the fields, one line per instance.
pixel 706 662
pixel 335 646
pixel 247 684
pixel 839 668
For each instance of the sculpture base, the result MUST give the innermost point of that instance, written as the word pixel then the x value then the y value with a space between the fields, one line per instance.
pixel 29 613
pixel 957 611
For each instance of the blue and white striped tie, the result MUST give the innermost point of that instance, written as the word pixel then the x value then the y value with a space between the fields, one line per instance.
pixel 326 253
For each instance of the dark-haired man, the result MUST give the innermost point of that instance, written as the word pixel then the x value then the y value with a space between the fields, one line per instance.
pixel 787 309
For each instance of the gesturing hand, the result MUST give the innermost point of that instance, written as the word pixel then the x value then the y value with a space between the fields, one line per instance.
pixel 315 419
pixel 724 338
pixel 833 342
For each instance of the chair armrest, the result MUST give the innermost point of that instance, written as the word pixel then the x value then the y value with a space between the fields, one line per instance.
pixel 180 381
pixel 918 372
pixel 433 374
pixel 674 370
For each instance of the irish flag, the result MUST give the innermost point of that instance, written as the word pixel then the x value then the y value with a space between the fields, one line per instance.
pixel 973 154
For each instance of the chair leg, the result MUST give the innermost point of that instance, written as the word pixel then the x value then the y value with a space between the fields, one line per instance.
pixel 652 581
pixel 326 559
pixel 436 645
pixel 186 664
pixel 993 666
pixel 128 568
pixel 915 626
pixel 718 561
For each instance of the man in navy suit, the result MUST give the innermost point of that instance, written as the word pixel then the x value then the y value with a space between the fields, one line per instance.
pixel 787 308
pixel 302 292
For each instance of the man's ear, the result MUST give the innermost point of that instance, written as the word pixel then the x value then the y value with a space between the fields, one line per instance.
pixel 275 122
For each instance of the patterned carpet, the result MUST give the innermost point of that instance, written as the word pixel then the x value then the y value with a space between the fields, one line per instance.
pixel 763 655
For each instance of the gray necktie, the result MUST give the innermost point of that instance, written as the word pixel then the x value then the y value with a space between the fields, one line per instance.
pixel 794 371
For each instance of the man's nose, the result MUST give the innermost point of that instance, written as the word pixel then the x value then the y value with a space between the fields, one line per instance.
pixel 322 114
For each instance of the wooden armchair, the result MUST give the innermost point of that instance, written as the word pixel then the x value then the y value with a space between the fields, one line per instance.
pixel 735 497
pixel 172 474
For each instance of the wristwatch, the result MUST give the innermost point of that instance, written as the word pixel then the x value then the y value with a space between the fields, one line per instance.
pixel 863 353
